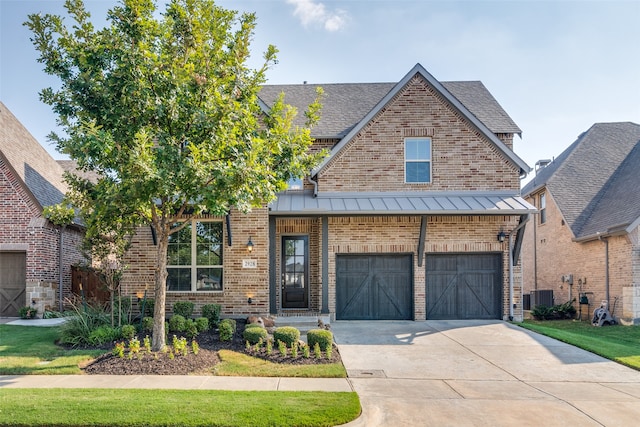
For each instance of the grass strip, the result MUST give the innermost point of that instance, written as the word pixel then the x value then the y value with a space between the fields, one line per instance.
pixel 141 407
pixel 618 343
pixel 238 364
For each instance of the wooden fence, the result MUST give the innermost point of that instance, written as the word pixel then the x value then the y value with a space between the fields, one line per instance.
pixel 93 288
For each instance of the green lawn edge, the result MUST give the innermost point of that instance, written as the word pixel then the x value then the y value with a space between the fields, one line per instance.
pixel 188 408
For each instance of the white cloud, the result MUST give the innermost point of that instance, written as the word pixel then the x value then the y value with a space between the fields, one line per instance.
pixel 312 13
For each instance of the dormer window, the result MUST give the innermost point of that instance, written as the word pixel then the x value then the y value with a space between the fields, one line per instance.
pixel 417 160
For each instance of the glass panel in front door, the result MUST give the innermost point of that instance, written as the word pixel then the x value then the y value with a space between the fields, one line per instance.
pixel 294 278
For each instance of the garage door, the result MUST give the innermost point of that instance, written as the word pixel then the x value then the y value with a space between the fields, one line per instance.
pixel 464 286
pixel 13 269
pixel 374 287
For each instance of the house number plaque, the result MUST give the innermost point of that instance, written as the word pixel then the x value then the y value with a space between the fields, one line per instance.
pixel 249 263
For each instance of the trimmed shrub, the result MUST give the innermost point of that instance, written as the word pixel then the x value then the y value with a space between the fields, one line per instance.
pixel 183 308
pixel 128 331
pixel 212 312
pixel 286 334
pixel 177 323
pixel 320 336
pixel 254 335
pixel 202 323
pixel 560 311
pixel 190 329
pixel 103 334
pixel 147 324
pixel 226 328
pixel 253 325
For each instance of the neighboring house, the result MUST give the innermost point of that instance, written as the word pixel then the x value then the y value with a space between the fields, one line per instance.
pixel 30 250
pixel 586 239
pixel 415 214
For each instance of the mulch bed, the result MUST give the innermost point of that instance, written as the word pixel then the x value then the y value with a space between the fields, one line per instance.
pixel 159 363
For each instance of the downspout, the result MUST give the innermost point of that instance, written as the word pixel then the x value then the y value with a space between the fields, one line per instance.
pixel 511 262
pixel 60 293
pixel 606 268
pixel 315 186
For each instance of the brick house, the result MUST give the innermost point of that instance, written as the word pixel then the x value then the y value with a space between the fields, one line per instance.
pixel 416 213
pixel 30 251
pixel 586 239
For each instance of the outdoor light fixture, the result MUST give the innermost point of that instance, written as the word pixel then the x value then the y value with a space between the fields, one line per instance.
pixel 249 245
pixel 249 300
pixel 139 295
pixel 501 236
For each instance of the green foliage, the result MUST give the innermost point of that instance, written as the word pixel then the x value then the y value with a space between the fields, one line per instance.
pixel 149 305
pixel 202 324
pixel 147 344
pixel 118 350
pixel 294 350
pixel 134 347
pixel 226 329
pixel 305 352
pixel 254 335
pixel 27 312
pixel 104 334
pixel 212 312
pixel 190 329
pixel 560 311
pixel 164 108
pixel 286 334
pixel 128 331
pixel 61 214
pixel 179 345
pixel 83 321
pixel 253 325
pixel 321 336
pixel 147 324
pixel 183 308
pixel 177 323
pixel 123 308
pixel 316 350
pixel 195 348
pixel 282 348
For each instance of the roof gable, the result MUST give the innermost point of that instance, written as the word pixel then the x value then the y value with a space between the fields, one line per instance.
pixel 39 172
pixel 595 181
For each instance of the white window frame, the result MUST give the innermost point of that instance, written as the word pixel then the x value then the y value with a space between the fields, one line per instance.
pixel 194 266
pixel 419 160
pixel 543 207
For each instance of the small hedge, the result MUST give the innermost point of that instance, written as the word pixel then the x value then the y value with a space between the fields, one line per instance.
pixel 147 324
pixel 321 336
pixel 202 323
pixel 183 308
pixel 128 331
pixel 253 325
pixel 226 329
pixel 177 323
pixel 253 335
pixel 212 312
pixel 287 334
pixel 560 311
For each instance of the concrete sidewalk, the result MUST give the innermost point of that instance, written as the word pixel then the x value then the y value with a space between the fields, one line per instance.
pixel 176 382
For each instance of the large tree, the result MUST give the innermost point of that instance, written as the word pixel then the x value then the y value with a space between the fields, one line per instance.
pixel 165 109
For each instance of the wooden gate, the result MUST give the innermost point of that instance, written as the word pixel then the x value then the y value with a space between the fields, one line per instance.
pixel 13 283
pixel 93 288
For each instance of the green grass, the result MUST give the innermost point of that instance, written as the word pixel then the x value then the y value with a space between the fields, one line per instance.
pixel 131 407
pixel 238 364
pixel 617 343
pixel 32 350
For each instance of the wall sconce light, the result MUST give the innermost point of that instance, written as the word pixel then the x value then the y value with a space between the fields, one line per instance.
pixel 501 236
pixel 249 300
pixel 139 295
pixel 249 245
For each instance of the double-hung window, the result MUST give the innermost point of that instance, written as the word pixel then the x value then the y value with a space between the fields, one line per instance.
pixel 194 258
pixel 417 160
pixel 543 208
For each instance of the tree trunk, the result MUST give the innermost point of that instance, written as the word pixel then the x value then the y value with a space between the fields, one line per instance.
pixel 158 341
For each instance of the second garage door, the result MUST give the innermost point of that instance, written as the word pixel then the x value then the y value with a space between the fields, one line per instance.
pixel 374 287
pixel 464 286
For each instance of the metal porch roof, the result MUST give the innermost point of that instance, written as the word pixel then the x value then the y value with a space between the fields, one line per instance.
pixel 411 203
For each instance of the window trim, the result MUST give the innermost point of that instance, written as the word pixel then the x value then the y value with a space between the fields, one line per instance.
pixel 542 201
pixel 194 266
pixel 429 160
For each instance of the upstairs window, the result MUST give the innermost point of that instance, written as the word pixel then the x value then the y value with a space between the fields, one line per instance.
pixel 543 208
pixel 417 160
pixel 194 258
pixel 294 184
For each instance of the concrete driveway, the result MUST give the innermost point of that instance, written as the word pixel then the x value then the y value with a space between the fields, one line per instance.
pixel 480 373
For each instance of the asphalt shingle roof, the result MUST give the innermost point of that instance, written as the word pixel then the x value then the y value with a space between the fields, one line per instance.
pixel 596 181
pixel 40 173
pixel 346 104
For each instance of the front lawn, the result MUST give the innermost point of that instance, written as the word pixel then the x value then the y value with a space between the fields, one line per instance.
pixel 131 407
pixel 617 343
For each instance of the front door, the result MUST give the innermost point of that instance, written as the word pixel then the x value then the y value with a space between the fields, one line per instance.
pixel 295 272
pixel 13 270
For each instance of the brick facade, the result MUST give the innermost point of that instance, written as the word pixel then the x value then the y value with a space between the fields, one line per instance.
pixel 549 253
pixel 23 229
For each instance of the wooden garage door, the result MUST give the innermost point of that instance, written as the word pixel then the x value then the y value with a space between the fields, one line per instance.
pixel 374 287
pixel 13 270
pixel 464 286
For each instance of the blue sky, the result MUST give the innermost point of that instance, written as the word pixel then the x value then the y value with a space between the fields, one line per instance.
pixel 556 67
